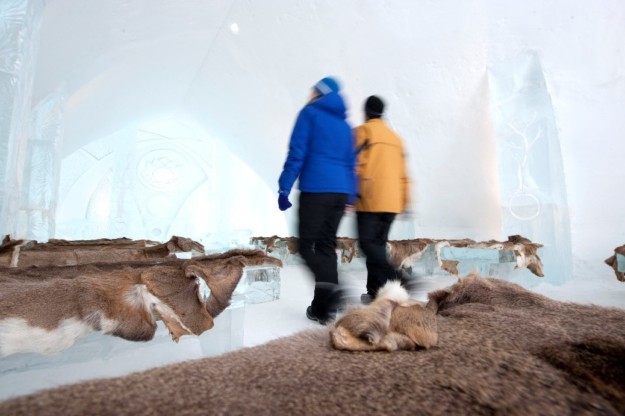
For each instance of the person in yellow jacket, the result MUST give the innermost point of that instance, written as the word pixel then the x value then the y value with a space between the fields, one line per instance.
pixel 383 191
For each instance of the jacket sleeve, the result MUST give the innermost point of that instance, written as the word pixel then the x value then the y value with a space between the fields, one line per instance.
pixel 405 180
pixel 361 159
pixel 298 149
pixel 354 165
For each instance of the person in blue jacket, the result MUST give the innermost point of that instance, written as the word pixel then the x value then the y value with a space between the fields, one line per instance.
pixel 321 154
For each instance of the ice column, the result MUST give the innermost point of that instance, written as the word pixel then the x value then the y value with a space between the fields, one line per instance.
pixel 19 30
pixel 36 216
pixel 531 174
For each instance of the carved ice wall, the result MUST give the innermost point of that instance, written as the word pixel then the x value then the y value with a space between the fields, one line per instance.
pixel 36 216
pixel 141 184
pixel 531 174
pixel 19 30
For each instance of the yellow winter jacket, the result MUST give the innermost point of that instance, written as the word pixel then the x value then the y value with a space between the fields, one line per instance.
pixel 381 168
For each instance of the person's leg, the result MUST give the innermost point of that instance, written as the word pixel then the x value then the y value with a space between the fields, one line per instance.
pixel 373 229
pixel 320 216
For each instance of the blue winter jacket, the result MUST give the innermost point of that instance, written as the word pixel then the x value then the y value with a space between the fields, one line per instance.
pixel 321 150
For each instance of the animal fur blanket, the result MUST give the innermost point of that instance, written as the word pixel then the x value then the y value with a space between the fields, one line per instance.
pixel 501 350
pixel 25 253
pixel 45 309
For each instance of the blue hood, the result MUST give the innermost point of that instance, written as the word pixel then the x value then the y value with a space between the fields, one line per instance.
pixel 331 103
pixel 321 150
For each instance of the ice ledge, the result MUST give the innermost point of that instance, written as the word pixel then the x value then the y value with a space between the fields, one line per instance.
pixel 98 355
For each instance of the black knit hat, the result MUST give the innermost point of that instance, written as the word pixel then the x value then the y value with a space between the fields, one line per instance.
pixel 374 107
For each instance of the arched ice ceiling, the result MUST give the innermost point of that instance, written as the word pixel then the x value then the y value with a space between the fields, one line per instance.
pixel 122 62
pixel 125 61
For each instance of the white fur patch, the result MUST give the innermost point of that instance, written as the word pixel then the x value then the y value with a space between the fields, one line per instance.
pixel 521 260
pixel 16 335
pixel 106 325
pixel 15 255
pixel 393 290
pixel 140 296
pixel 438 247
pixel 203 291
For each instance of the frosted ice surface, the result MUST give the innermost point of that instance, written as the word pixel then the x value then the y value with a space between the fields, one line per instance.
pixel 19 24
pixel 485 261
pixel 257 285
pixel 140 184
pixel 41 170
pixel 97 355
pixel 531 174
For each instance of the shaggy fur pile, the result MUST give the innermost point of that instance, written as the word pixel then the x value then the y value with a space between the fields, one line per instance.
pixel 501 350
pixel 391 322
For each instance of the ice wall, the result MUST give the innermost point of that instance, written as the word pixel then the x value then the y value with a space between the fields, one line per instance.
pixel 531 175
pixel 36 217
pixel 158 181
pixel 19 35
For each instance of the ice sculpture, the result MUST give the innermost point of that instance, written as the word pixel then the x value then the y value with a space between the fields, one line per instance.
pixel 140 184
pixel 531 175
pixel 19 30
pixel 41 170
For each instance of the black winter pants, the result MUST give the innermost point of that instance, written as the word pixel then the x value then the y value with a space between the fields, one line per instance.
pixel 319 218
pixel 373 229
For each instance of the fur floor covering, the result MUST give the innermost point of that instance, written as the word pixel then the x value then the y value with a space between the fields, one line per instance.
pixel 501 350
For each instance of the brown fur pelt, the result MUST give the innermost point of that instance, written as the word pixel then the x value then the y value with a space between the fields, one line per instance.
pixel 501 350
pixel 391 322
pixel 25 253
pixel 348 248
pixel 118 299
pixel 613 263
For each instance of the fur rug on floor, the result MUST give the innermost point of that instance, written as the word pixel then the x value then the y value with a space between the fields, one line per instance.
pixel 501 350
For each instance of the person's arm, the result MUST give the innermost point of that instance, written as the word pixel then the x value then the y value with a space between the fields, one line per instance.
pixel 360 155
pixel 405 180
pixel 353 165
pixel 298 149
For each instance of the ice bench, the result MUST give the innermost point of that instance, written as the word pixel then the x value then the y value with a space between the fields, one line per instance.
pixel 97 355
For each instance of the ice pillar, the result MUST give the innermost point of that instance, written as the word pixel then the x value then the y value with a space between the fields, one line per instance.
pixel 36 216
pixel 19 32
pixel 531 174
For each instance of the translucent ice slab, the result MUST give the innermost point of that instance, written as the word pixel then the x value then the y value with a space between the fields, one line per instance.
pixel 443 260
pixel 485 261
pixel 98 355
pixel 531 174
pixel 259 284
pixel 19 29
